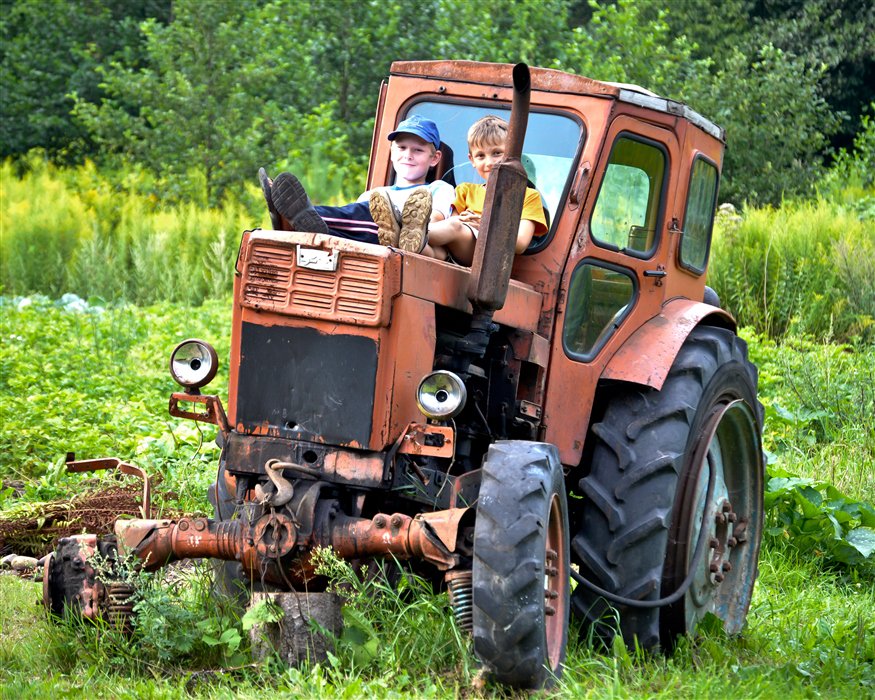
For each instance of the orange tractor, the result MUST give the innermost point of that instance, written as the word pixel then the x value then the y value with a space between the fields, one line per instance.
pixel 583 412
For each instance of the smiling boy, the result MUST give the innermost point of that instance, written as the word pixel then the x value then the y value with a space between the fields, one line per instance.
pixel 374 217
pixel 458 233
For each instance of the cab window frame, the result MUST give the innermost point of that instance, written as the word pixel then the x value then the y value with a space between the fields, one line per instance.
pixel 616 321
pixel 709 235
pixel 662 193
pixel 503 110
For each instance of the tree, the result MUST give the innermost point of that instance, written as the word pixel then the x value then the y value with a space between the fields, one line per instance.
pixel 207 99
pixel 768 101
pixel 50 48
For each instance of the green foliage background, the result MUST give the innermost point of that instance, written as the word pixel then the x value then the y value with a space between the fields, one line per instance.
pixel 202 93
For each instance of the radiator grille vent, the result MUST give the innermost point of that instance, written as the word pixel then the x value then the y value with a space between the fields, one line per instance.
pixel 351 293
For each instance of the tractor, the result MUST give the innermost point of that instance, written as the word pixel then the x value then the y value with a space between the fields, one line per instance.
pixel 570 431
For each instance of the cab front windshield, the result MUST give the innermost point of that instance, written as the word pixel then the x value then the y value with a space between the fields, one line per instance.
pixel 551 145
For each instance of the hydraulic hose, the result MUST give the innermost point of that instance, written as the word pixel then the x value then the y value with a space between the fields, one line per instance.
pixel 685 584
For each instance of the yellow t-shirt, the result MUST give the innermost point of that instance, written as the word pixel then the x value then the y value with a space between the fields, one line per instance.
pixel 471 197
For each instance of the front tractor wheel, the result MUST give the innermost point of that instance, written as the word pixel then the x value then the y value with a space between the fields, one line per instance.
pixel 521 565
pixel 671 525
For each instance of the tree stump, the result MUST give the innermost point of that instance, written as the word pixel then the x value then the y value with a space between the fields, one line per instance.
pixel 296 637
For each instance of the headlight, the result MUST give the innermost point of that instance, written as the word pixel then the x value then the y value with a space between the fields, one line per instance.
pixel 441 395
pixel 193 363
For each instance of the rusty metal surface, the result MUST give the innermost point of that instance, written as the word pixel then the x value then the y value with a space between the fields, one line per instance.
pixel 70 578
pixel 351 283
pixel 93 465
pixel 646 357
pixel 461 597
pixel 445 524
pixel 274 535
pixel 215 413
pixel 446 285
pixel 428 440
pixel 497 74
pixel 396 535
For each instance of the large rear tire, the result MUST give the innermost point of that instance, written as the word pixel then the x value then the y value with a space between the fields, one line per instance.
pixel 520 576
pixel 656 457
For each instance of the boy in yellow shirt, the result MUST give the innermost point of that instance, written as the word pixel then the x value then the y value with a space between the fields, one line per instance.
pixel 458 234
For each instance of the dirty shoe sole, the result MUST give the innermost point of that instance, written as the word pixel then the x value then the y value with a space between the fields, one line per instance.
pixel 291 200
pixel 414 221
pixel 383 214
pixel 275 219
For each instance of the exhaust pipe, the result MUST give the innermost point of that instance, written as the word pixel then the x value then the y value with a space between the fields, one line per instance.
pixel 505 194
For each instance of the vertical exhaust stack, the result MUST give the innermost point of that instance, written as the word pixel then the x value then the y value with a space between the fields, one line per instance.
pixel 505 193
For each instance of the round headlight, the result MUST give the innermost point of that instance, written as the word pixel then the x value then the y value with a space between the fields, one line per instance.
pixel 193 363
pixel 441 395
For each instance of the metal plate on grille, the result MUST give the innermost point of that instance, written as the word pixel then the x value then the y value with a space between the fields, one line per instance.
pixel 316 259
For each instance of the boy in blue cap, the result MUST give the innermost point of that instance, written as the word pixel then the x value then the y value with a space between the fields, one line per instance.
pixel 374 217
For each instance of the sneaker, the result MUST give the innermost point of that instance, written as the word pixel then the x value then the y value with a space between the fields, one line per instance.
pixel 414 221
pixel 293 204
pixel 275 219
pixel 383 214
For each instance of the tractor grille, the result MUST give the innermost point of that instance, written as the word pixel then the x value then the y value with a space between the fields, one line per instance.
pixel 352 293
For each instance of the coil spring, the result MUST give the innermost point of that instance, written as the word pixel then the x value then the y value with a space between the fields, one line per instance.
pixel 459 585
pixel 120 606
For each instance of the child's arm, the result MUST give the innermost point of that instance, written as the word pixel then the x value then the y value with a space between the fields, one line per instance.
pixel 524 235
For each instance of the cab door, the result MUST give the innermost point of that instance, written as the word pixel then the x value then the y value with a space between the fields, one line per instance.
pixel 613 280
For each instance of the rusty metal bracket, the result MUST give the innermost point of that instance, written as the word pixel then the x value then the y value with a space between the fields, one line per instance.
pixel 214 413
pixel 93 465
pixel 428 440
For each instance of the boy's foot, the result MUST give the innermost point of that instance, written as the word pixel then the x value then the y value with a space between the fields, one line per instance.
pixel 275 219
pixel 383 214
pixel 414 221
pixel 293 204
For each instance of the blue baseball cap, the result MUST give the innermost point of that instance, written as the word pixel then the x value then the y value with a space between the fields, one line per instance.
pixel 418 126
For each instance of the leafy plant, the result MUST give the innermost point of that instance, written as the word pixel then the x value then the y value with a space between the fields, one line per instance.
pixel 813 516
pixel 800 269
pixel 394 623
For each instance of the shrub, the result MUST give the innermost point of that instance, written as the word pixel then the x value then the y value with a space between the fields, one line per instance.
pixel 802 268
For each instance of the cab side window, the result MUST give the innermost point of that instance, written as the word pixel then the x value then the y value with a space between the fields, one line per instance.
pixel 627 210
pixel 699 217
pixel 599 297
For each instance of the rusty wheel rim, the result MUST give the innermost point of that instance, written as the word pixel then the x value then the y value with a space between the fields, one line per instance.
pixel 728 446
pixel 556 581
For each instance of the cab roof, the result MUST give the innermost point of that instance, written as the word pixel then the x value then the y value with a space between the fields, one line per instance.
pixel 549 80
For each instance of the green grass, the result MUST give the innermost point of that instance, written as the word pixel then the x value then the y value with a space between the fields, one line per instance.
pixel 94 380
pixel 73 377
pixel 74 230
pixel 810 633
pixel 91 376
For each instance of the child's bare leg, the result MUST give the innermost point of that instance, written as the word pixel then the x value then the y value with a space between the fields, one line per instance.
pixel 455 237
pixel 437 252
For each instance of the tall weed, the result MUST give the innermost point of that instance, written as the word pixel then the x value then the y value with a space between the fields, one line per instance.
pixel 804 268
pixel 74 230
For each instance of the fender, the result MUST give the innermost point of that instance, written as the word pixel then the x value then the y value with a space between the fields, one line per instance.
pixel 646 357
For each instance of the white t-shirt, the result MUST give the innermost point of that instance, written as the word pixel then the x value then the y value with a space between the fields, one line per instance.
pixel 442 195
